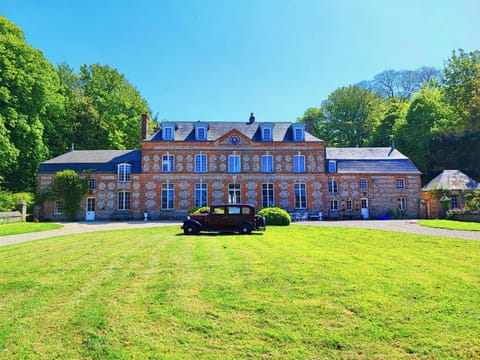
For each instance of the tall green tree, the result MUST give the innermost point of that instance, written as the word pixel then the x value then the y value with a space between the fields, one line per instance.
pixel 395 113
pixel 461 79
pixel 427 117
pixel 349 116
pixel 29 98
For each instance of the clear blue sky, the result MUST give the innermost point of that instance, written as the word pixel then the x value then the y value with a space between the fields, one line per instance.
pixel 222 59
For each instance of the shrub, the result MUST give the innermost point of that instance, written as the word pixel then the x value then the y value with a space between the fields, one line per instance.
pixel 199 210
pixel 275 216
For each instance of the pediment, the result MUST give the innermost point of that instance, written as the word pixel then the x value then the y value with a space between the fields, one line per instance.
pixel 234 138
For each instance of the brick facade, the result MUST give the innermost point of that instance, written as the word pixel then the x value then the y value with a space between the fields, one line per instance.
pixel 233 164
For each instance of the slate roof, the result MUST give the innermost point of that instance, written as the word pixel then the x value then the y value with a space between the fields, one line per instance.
pixel 452 180
pixel 185 131
pixel 97 161
pixel 374 160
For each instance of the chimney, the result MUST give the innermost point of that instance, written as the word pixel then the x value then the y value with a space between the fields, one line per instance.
pixel 309 125
pixel 251 120
pixel 144 125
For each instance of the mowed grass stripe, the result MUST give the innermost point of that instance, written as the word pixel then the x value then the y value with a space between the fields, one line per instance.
pixel 294 292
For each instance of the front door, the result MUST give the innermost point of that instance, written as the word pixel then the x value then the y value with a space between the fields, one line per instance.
pixel 364 209
pixel 90 214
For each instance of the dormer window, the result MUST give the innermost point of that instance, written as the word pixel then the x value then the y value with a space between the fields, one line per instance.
pixel 267 132
pixel 168 131
pixel 332 166
pixel 201 131
pixel 298 131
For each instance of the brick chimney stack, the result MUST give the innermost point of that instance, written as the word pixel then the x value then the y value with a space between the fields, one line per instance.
pixel 144 125
pixel 309 125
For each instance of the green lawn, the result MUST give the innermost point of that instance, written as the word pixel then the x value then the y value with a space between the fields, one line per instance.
pixel 294 292
pixel 450 224
pixel 26 227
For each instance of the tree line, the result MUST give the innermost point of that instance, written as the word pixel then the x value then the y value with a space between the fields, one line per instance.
pixel 46 108
pixel 432 115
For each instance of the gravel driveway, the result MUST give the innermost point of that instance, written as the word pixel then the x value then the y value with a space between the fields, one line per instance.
pixel 406 226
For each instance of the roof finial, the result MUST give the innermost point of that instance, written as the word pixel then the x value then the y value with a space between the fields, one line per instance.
pixel 251 120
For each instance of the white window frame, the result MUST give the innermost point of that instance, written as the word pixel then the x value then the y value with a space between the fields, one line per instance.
pixel 298 163
pixel 200 163
pixel 268 195
pixel 402 203
pixel 58 207
pixel 334 205
pixel 332 186
pixel 167 196
pixel 124 170
pixel 300 195
pixel 234 193
pixel 401 183
pixel 123 202
pixel 168 163
pixel 453 202
pixel 267 163
pixel 200 197
pixel 234 164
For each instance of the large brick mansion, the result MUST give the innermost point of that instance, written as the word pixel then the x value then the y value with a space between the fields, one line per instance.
pixel 190 164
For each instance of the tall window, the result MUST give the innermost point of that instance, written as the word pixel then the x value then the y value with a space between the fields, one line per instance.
pixel 298 163
pixel 402 203
pixel 92 184
pixel 167 196
pixel 453 202
pixel 363 184
pixel 400 184
pixel 300 191
pixel 332 187
pixel 334 205
pixel 332 166
pixel 200 163
pixel 234 196
pixel 124 200
pixel 349 205
pixel 234 163
pixel 268 198
pixel 124 171
pixel 58 207
pixel 267 163
pixel 200 198
pixel 167 163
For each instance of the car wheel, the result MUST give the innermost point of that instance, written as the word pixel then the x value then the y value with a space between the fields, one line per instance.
pixel 190 229
pixel 245 228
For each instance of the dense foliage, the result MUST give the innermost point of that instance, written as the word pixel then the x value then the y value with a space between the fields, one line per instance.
pixel 275 216
pixel 43 109
pixel 9 201
pixel 433 116
pixel 70 188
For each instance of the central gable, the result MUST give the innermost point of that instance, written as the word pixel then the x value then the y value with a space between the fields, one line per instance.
pixel 233 137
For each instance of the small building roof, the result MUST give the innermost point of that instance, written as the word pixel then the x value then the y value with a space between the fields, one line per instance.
pixel 452 180
pixel 373 160
pixel 95 161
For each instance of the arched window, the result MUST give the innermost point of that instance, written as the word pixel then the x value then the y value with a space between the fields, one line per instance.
pixel 124 171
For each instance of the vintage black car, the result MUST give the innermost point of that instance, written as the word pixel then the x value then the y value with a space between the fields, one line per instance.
pixel 241 218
